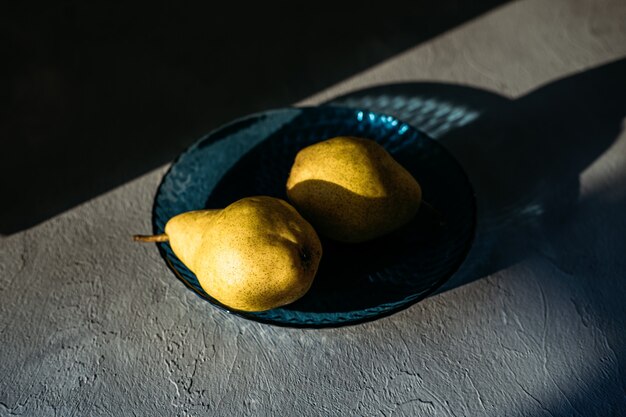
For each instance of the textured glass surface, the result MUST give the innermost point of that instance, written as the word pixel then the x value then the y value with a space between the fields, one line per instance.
pixel 356 282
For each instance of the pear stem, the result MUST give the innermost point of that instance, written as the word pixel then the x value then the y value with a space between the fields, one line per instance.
pixel 438 216
pixel 430 207
pixel 151 238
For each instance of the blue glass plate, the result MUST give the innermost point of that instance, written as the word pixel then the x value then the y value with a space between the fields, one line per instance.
pixel 355 282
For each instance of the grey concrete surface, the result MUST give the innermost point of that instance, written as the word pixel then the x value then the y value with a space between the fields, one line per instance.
pixel 92 324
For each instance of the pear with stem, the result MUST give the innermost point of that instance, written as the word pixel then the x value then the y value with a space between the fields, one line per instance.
pixel 254 255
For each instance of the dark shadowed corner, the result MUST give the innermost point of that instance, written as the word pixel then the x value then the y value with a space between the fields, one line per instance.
pixel 99 94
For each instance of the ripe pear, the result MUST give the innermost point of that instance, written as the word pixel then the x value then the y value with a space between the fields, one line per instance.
pixel 254 255
pixel 351 189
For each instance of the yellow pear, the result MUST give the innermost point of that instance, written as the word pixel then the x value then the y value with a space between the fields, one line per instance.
pixel 256 254
pixel 351 189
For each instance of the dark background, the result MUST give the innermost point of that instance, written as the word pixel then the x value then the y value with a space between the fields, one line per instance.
pixel 96 94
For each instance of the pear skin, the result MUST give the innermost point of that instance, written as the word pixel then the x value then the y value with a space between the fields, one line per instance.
pixel 256 254
pixel 352 190
pixel 191 227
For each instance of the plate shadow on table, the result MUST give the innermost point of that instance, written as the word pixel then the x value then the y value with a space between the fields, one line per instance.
pixel 99 93
pixel 525 158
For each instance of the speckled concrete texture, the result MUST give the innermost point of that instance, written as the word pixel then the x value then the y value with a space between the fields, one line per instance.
pixel 92 324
